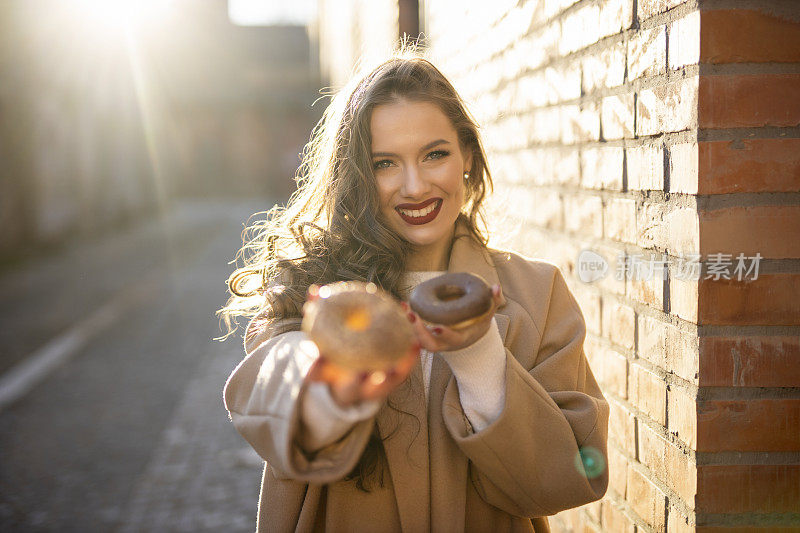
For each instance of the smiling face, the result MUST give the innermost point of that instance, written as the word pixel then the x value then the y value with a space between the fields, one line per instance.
pixel 419 170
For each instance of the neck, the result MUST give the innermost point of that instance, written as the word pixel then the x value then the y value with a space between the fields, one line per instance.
pixel 434 258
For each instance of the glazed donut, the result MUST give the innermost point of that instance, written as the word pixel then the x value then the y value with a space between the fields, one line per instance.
pixel 357 326
pixel 456 299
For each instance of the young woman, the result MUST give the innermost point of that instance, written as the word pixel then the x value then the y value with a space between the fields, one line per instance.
pixel 490 428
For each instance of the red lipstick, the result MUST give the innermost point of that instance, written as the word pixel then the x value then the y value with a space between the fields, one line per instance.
pixel 416 221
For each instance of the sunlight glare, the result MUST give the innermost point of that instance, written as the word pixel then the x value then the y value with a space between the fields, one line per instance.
pixel 261 13
pixel 111 15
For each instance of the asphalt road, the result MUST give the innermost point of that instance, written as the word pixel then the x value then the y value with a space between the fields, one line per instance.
pixel 129 433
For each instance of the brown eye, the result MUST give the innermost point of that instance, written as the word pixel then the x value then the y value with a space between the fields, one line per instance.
pixel 383 163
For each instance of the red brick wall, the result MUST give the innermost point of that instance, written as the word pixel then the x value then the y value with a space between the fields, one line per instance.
pixel 657 127
pixel 747 417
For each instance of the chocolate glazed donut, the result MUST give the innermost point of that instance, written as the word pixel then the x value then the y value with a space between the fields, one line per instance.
pixel 456 299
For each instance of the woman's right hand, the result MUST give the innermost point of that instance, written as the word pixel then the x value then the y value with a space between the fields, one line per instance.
pixel 349 387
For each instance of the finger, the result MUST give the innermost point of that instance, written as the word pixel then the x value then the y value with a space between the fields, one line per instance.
pixel 346 390
pixel 425 337
pixel 497 295
pixel 412 316
pixel 326 371
pixel 499 299
pixel 413 355
pixel 447 336
pixel 317 370
pixel 313 292
pixel 417 325
pixel 376 386
pixel 379 385
pixel 404 366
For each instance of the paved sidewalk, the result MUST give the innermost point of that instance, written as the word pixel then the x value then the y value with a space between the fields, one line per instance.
pixel 130 432
pixel 203 476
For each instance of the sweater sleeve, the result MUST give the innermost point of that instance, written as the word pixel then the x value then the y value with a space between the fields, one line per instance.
pixel 263 396
pixel 480 371
pixel 324 422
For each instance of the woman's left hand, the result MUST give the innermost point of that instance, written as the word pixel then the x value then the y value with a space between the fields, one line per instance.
pixel 440 338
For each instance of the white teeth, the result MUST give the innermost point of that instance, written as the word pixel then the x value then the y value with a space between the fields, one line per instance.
pixel 419 212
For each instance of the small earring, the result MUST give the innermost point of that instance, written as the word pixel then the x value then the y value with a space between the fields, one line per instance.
pixel 466 175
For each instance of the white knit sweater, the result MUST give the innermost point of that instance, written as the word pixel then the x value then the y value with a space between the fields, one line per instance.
pixel 479 370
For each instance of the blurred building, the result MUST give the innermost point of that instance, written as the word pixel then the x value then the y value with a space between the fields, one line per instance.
pixel 241 98
pixel 100 124
pixel 349 31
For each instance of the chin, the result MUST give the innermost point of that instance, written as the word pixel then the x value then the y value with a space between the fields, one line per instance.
pixel 426 236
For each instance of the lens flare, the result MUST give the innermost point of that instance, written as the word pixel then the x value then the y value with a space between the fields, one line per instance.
pixel 590 461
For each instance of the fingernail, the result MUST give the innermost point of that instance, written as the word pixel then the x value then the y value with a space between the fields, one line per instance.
pixel 437 331
pixel 378 378
pixel 412 318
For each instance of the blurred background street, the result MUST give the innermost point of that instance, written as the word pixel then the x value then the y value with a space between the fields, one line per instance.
pixel 137 137
pixel 130 432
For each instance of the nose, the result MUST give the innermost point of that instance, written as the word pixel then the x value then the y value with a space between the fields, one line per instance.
pixel 414 183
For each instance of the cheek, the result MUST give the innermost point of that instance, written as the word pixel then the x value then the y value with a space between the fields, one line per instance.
pixel 453 181
pixel 458 190
pixel 455 171
pixel 384 194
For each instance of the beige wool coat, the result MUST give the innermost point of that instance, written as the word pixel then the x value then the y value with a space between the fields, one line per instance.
pixel 441 475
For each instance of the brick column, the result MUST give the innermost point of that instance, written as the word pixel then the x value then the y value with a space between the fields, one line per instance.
pixel 746 428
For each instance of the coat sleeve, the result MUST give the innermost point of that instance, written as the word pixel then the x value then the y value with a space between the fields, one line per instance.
pixel 547 450
pixel 262 396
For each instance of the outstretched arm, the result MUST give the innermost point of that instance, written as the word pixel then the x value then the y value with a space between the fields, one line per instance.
pixel 307 418
pixel 262 396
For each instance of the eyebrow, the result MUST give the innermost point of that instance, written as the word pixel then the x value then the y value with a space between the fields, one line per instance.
pixel 426 147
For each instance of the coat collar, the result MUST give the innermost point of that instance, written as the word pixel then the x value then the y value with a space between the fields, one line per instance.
pixel 407 443
pixel 468 255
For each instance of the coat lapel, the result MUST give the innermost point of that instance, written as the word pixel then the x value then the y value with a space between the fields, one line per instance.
pixel 432 477
pixel 406 445
pixel 449 466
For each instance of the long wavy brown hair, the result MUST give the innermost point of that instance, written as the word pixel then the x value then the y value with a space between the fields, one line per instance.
pixel 331 228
